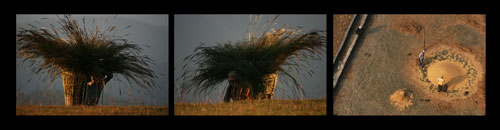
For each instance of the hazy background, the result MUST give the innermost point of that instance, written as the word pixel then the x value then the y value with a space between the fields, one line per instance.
pixel 150 30
pixel 190 30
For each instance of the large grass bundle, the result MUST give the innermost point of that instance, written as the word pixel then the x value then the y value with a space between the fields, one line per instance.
pixel 254 59
pixel 88 55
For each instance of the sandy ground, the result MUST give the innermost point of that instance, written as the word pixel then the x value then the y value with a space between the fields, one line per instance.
pixel 340 24
pixel 384 61
pixel 461 71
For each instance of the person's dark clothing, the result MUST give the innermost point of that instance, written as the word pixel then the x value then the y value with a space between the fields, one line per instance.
pixel 359 30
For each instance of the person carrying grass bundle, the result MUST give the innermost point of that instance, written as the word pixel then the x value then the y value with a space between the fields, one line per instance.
pixel 85 59
pixel 251 66
pixel 236 90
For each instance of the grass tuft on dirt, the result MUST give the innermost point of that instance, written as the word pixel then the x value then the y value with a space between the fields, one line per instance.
pixel 401 99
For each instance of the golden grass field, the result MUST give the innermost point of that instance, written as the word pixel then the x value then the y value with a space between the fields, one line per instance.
pixel 91 111
pixel 255 107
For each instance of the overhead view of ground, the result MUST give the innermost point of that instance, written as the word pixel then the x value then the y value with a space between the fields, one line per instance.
pixel 340 25
pixel 382 76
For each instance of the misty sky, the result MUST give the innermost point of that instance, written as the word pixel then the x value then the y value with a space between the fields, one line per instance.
pixel 190 30
pixel 150 30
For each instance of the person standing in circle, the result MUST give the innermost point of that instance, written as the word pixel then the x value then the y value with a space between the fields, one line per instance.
pixel 441 84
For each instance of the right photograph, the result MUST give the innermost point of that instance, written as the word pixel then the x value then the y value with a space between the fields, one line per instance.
pixel 409 64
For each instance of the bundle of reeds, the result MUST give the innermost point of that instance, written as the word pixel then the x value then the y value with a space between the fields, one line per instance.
pixel 257 60
pixel 86 59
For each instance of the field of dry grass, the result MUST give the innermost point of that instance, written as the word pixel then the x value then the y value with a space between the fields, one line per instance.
pixel 256 107
pixel 91 111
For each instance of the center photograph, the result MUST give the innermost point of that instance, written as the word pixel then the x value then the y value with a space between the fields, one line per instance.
pixel 248 65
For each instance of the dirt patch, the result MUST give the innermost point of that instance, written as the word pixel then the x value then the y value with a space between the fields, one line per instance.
pixel 401 99
pixel 475 21
pixel 408 25
pixel 349 75
pixel 444 107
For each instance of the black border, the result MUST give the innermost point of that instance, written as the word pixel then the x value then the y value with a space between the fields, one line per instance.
pixel 327 11
pixel 329 65
pixel 171 78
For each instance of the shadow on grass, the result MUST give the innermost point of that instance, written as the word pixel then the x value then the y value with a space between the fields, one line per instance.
pixel 374 29
pixel 355 50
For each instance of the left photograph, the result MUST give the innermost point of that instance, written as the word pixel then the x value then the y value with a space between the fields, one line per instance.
pixel 91 65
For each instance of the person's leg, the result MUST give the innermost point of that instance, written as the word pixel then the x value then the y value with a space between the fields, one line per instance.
pixel 422 63
pixel 229 92
pixel 439 88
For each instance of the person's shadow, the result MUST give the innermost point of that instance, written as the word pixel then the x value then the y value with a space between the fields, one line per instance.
pixel 455 80
pixel 374 29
